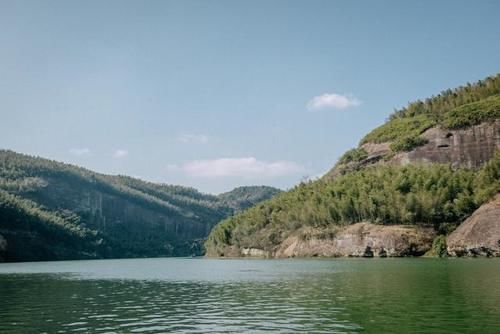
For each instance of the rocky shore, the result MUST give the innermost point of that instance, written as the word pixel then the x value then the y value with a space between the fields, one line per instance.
pixel 479 235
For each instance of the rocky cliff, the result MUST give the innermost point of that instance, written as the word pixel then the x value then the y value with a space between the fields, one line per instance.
pixel 470 147
pixel 479 234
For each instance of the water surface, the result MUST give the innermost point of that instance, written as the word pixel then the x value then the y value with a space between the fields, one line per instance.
pixel 234 296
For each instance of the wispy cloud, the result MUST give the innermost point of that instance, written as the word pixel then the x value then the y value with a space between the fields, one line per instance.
pixel 192 138
pixel 120 154
pixel 332 101
pixel 79 152
pixel 243 167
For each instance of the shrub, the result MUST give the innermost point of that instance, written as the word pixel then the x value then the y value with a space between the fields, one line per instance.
pixel 407 144
pixel 473 113
pixel 353 155
pixel 439 246
pixel 399 128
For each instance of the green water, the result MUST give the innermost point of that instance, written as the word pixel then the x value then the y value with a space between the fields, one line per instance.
pixel 235 296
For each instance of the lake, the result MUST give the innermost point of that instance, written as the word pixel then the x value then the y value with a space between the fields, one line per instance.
pixel 185 295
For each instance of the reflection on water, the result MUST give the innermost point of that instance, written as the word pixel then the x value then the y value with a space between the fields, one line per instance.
pixel 200 296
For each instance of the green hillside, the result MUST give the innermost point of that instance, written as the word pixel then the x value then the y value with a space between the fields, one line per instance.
pixel 453 109
pixel 52 210
pixel 419 194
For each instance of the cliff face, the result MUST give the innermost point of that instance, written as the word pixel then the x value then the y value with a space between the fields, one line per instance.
pixel 470 148
pixel 479 234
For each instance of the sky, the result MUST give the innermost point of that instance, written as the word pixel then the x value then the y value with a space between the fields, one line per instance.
pixel 219 94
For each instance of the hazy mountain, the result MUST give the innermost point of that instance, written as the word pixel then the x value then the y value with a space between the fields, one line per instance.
pixel 51 210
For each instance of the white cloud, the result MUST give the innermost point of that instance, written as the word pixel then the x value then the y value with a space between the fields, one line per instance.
pixel 79 152
pixel 120 154
pixel 332 101
pixel 246 167
pixel 193 138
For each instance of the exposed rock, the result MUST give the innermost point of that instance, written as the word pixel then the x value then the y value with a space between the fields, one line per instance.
pixel 376 148
pixel 479 234
pixel 296 246
pixel 471 147
pixel 254 252
pixel 362 240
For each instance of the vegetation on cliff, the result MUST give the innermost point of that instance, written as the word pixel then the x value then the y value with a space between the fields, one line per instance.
pixel 457 108
pixel 353 155
pixel 51 210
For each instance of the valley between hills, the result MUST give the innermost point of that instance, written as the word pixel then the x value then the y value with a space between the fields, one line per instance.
pixel 426 182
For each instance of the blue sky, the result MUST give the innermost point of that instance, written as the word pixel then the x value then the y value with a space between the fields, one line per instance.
pixel 216 94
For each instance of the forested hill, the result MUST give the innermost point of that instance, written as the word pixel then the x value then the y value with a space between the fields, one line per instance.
pixel 51 210
pixel 430 165
pixel 244 197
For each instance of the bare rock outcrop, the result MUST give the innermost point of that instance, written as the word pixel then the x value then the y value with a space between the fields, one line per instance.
pixel 479 234
pixel 362 240
pixel 377 149
pixel 471 147
pixel 254 252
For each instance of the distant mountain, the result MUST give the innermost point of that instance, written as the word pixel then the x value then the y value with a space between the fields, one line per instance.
pixel 427 169
pixel 244 197
pixel 51 211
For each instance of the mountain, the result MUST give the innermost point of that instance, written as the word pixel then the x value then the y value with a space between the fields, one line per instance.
pixel 402 191
pixel 52 211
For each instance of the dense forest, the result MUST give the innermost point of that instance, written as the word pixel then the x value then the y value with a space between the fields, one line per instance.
pixel 428 195
pixel 52 210
pixel 425 194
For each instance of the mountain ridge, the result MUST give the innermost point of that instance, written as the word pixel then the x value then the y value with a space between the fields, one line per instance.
pixel 53 210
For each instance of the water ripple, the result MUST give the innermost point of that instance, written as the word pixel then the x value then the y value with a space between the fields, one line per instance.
pixel 402 296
